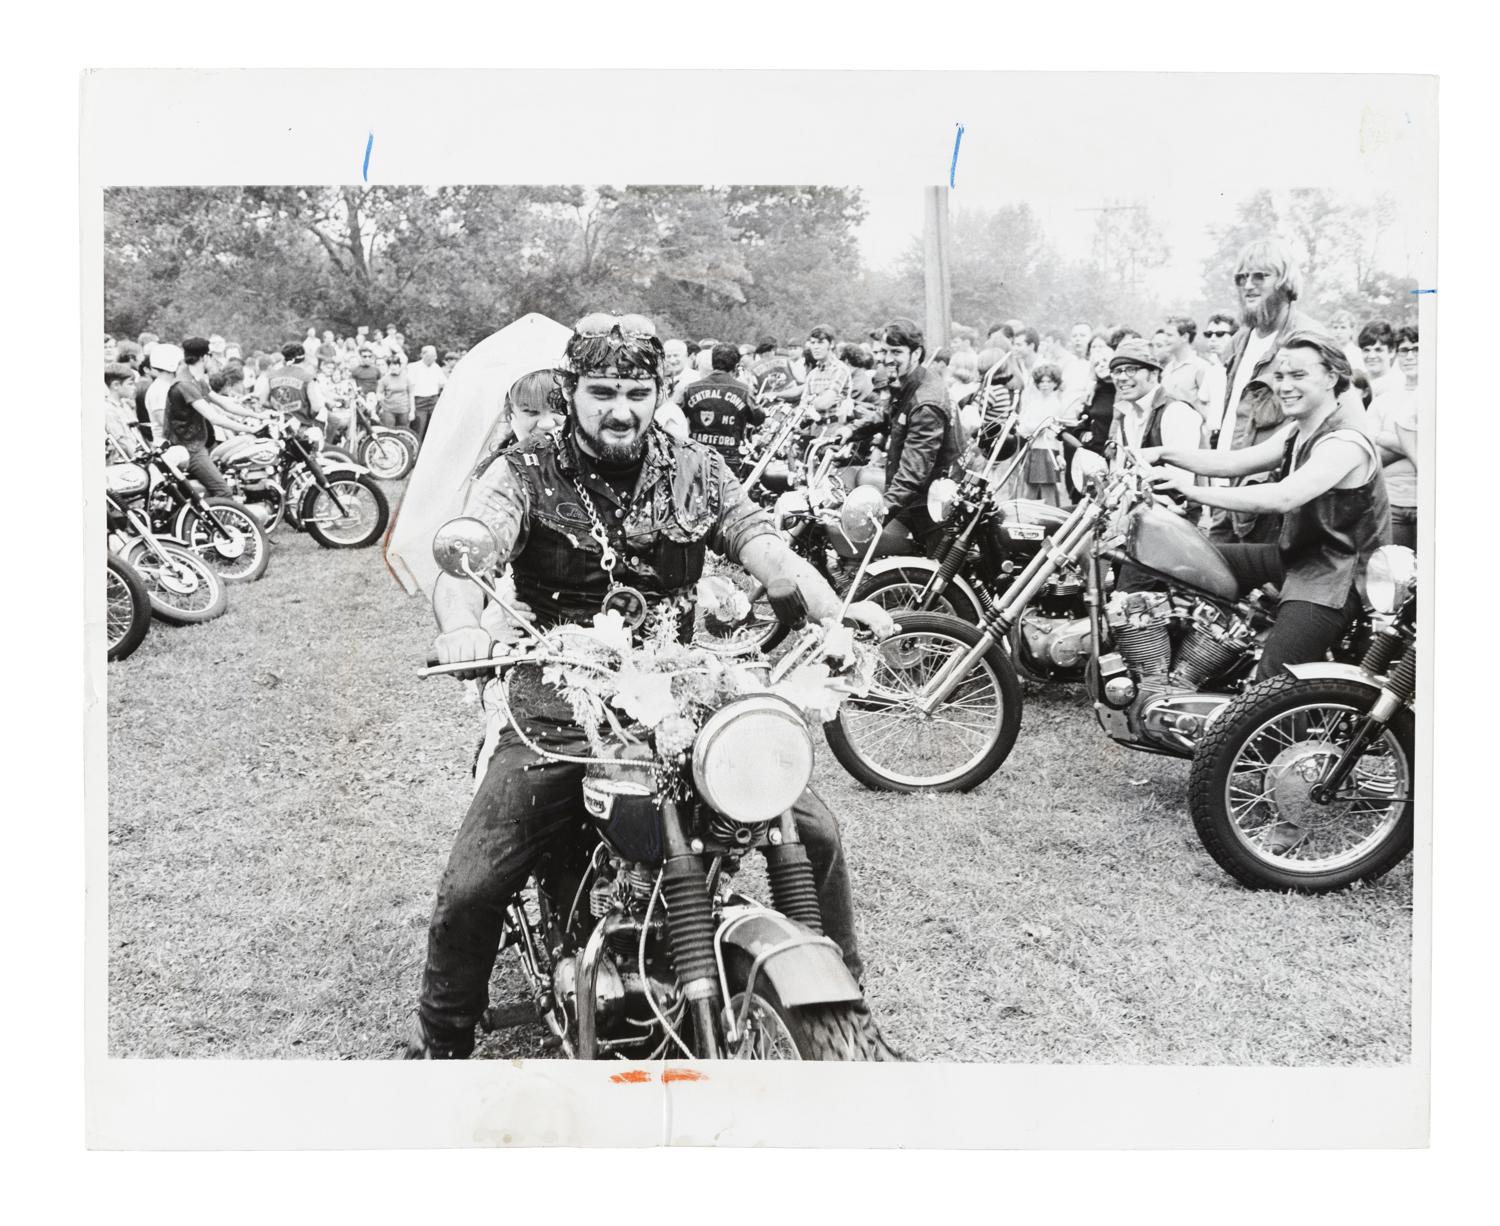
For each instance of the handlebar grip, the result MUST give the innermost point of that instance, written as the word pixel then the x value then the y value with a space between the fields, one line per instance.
pixel 786 600
pixel 432 659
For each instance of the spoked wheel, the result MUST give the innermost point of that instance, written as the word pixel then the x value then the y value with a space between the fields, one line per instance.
pixel 127 608
pixel 902 589
pixel 387 456
pixel 770 1030
pixel 362 521
pixel 885 742
pixel 758 630
pixel 1253 775
pixel 182 587
pixel 242 555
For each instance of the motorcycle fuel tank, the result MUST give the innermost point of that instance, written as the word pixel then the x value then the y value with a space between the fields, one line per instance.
pixel 1168 543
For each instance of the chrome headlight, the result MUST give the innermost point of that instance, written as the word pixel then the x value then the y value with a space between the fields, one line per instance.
pixel 753 758
pixel 1390 577
pixel 940 498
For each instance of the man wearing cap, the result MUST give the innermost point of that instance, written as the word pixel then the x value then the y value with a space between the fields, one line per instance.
pixel 1146 414
pixel 191 411
pixel 162 363
pixel 609 505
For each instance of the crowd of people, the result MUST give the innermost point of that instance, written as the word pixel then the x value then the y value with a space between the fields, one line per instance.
pixel 198 391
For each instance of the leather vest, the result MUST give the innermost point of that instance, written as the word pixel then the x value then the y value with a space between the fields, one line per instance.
pixel 1326 543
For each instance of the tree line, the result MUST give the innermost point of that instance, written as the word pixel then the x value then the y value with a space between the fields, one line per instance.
pixel 451 264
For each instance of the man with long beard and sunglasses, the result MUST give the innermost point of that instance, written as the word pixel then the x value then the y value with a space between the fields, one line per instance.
pixel 1268 284
pixel 608 511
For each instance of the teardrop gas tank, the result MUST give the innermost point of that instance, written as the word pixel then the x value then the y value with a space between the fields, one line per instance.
pixel 1168 543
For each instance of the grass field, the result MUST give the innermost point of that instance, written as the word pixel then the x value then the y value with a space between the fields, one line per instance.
pixel 283 791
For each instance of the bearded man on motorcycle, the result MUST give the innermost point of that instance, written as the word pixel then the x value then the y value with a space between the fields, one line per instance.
pixel 925 439
pixel 1328 487
pixel 611 512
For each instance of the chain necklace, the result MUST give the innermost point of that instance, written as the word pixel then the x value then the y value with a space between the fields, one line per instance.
pixel 628 602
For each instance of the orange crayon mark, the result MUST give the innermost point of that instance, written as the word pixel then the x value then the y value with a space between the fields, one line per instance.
pixel 633 1076
pixel 683 1074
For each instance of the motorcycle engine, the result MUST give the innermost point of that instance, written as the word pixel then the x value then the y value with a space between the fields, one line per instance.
pixel 1173 648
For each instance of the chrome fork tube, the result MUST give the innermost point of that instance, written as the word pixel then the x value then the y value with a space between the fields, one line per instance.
pixel 1059 549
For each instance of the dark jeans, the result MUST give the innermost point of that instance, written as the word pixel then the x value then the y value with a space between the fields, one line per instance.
pixel 1303 632
pixel 1404 526
pixel 422 414
pixel 525 808
pixel 203 470
pixel 1265 530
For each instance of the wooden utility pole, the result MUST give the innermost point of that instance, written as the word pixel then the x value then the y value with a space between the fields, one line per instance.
pixel 939 288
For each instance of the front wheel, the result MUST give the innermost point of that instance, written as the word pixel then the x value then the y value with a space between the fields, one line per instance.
pixel 182 587
pixel 902 588
pixel 885 742
pixel 127 608
pixel 1254 771
pixel 387 456
pixel 770 1030
pixel 242 555
pixel 361 522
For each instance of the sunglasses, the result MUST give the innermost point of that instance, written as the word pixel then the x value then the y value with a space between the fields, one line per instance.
pixel 600 323
pixel 1241 279
pixel 1210 333
pixel 1406 349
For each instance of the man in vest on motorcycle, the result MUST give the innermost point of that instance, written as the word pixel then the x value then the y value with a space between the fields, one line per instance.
pixel 292 388
pixel 1146 415
pixel 609 503
pixel 925 439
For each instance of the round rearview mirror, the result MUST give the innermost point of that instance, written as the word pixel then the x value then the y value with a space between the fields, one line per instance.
pixel 1087 466
pixel 465 540
pixel 860 517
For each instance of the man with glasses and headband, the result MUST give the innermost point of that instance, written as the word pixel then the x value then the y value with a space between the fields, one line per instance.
pixel 609 512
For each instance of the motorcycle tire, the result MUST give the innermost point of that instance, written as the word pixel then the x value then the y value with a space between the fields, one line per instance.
pixel 901 588
pixel 330 456
pixel 184 590
pixel 386 456
pixel 127 608
pixel 762 634
pixel 1272 732
pixel 409 440
pixel 773 1031
pixel 908 659
pixel 347 532
pixel 255 555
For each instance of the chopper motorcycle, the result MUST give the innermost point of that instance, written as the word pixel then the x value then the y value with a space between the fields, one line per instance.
pixel 987 540
pixel 1162 665
pixel 1304 782
pixel 279 473
pixel 641 948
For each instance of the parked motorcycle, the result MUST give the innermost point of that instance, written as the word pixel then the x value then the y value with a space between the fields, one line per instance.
pixel 988 540
pixel 180 585
pixel 222 531
pixel 388 453
pixel 1304 782
pixel 127 608
pixel 642 949
pixel 278 474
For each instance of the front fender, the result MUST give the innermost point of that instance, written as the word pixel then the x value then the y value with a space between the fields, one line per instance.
pixel 1324 670
pixel 806 969
pixel 899 562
